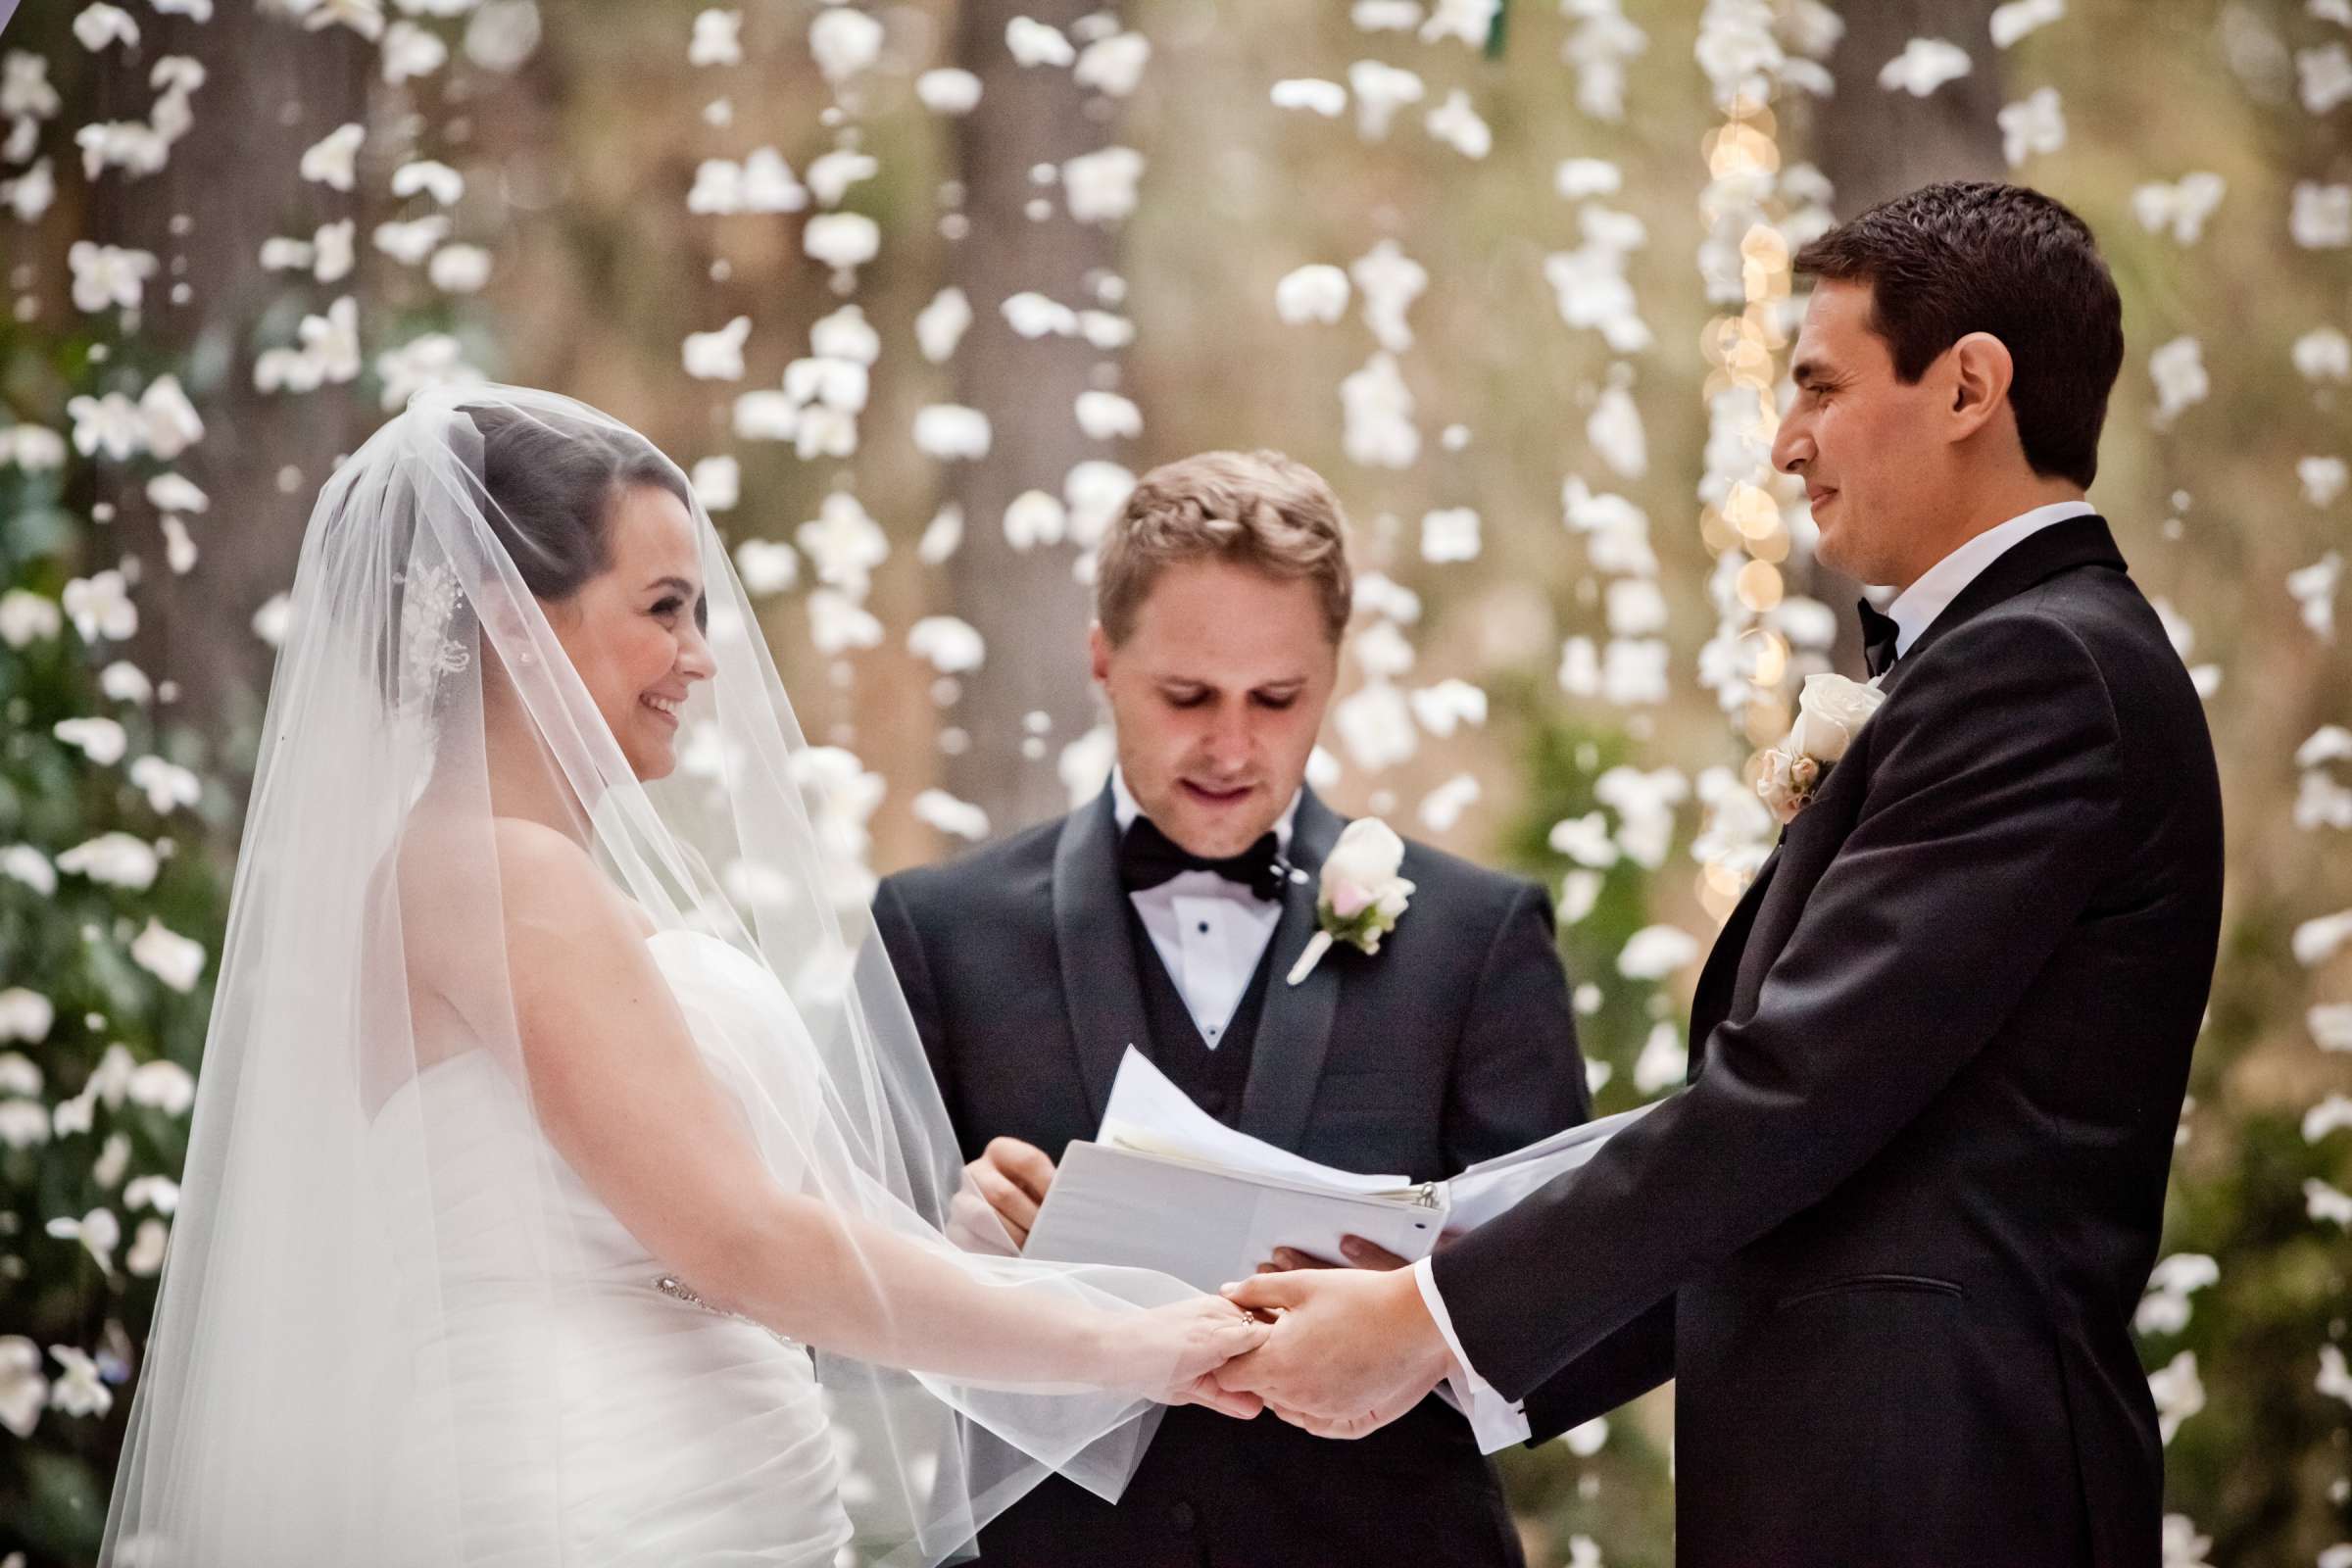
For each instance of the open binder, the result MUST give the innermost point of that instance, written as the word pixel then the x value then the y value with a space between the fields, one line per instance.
pixel 1166 1185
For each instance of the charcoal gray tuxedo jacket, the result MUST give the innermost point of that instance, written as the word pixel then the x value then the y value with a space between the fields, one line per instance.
pixel 1022 963
pixel 1889 1239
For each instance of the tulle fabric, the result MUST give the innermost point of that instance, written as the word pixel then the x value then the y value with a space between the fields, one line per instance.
pixel 394 1327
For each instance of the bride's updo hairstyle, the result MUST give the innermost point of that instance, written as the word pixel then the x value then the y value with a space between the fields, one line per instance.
pixel 551 490
pixel 544 485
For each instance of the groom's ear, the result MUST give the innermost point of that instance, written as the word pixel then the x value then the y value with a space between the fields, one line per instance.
pixel 1098 648
pixel 1981 370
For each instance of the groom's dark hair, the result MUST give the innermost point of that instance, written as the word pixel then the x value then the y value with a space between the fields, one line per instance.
pixel 1969 257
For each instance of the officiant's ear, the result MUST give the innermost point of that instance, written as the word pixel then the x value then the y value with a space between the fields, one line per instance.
pixel 1980 373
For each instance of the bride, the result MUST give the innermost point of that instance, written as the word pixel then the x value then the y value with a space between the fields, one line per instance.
pixel 566 1182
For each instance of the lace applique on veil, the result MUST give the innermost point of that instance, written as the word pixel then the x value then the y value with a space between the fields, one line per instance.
pixel 427 652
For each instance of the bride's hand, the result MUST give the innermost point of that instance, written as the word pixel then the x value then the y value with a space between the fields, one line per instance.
pixel 1173 1349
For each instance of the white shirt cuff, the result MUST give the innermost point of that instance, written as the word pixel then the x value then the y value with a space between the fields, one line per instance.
pixel 1496 1422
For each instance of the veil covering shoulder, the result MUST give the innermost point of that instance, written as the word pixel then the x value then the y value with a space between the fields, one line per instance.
pixel 394 1327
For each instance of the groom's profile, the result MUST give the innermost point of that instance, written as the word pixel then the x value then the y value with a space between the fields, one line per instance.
pixel 1889 1240
pixel 1167 913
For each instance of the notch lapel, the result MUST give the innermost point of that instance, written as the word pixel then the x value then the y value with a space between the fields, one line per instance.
pixel 1712 1003
pixel 1099 983
pixel 2061 547
pixel 1293 1033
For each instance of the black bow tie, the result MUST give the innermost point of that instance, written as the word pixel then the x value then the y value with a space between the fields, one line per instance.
pixel 1148 858
pixel 1879 635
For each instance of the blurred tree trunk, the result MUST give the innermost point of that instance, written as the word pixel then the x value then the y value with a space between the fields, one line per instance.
pixel 270 90
pixel 1875 144
pixel 1026 604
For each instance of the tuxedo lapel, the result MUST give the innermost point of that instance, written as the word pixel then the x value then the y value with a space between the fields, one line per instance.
pixel 2061 547
pixel 1712 1003
pixel 1293 1033
pixel 1099 983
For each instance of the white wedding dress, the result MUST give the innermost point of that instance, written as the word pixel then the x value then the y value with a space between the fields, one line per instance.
pixel 677 1435
pixel 396 1328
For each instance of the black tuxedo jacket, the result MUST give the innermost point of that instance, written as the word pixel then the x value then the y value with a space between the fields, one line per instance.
pixel 1453 1044
pixel 1889 1239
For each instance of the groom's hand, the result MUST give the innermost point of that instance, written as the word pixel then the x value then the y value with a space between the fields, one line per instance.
pixel 1352 1350
pixel 1002 1191
pixel 1354 1250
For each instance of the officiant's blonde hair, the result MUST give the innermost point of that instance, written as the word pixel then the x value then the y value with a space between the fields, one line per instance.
pixel 1259 509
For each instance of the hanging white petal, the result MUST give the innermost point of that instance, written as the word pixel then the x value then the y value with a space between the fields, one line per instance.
pixel 2182 207
pixel 717 355
pixel 410 52
pixel 330 159
pixel 2036 124
pixel 1442 809
pixel 1312 94
pixel 948 91
pixel 1100 187
pixel 458 268
pixel 842 241
pixel 1108 417
pixel 2323 354
pixel 1925 65
pixel 947 432
pixel 101 740
pixel 1037 43
pixel 832 175
pixel 716 482
pixel 177 960
pixel 2323 478
pixel 2326 75
pixel 1390 281
pixel 2015 19
pixel 1035 519
pixel 2177 369
pixel 1031 314
pixel 766 565
pixel 1448 705
pixel 1385 16
pixel 1449 534
pixel 845 43
pixel 718 39
pixel 431 177
pixel 99 24
pixel 1457 125
pixel 1377 407
pixel 1381 90
pixel 2322 217
pixel 955 818
pixel 952 647
pixel 1375 726
pixel 1114 66
pixel 1578 178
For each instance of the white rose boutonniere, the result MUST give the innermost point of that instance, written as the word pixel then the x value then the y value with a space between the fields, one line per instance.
pixel 1361 896
pixel 1830 713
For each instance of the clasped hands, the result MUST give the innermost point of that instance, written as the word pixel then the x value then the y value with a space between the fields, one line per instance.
pixel 1354 1347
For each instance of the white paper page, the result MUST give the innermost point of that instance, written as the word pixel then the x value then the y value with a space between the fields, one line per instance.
pixel 1205 1227
pixel 1492 1185
pixel 1147 1111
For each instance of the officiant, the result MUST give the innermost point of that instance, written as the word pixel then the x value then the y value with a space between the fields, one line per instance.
pixel 1169 913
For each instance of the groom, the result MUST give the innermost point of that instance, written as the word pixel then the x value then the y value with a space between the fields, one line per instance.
pixel 1160 915
pixel 1889 1240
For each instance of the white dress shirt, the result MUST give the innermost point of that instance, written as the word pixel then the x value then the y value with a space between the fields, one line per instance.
pixel 1498 1422
pixel 1918 605
pixel 1211 932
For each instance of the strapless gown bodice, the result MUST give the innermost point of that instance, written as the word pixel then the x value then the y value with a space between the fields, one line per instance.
pixel 561 1387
